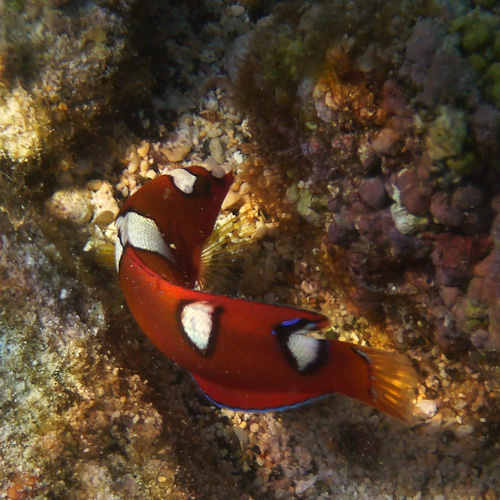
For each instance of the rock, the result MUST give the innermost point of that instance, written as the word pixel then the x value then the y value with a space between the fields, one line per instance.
pixel 72 206
pixel 237 10
pixel 375 224
pixel 495 230
pixel 449 77
pixel 347 218
pixel 406 222
pixel 444 211
pixel 485 340
pixel 416 199
pixel 242 437
pixel 450 295
pixel 464 430
pixel 233 200
pixel 394 102
pixel 447 133
pixel 373 192
pixel 428 407
pixel 434 64
pixel 446 335
pixel 485 127
pixel 414 192
pixel 403 245
pixel 307 207
pixel 387 142
pixel 368 158
pixel 217 150
pixel 477 220
pixel 304 484
pixel 479 339
pixel 453 256
pixel 59 69
pixel 336 233
pixel 426 38
pixel 178 145
pixel 468 196
pixel 420 277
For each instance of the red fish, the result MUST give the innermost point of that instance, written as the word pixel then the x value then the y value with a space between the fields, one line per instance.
pixel 244 354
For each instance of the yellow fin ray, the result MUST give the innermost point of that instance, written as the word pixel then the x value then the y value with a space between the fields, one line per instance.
pixel 393 382
pixel 223 250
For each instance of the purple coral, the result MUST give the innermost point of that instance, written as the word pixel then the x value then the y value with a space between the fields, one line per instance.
pixel 435 65
pixel 373 192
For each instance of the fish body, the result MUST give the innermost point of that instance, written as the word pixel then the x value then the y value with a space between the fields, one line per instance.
pixel 244 354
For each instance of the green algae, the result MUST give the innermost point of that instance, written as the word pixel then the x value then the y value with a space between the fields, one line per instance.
pixel 447 133
pixel 477 29
pixel 466 164
pixel 477 316
pixel 478 62
pixel 309 206
pixel 496 45
pixel 479 32
pixel 477 35
pixel 492 74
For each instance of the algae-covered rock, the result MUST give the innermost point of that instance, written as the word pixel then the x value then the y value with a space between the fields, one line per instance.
pixel 477 28
pixel 447 133
pixel 479 36
pixel 71 205
pixel 308 206
pixel 57 67
pixel 23 126
pixel 77 420
pixel 405 222
pixel 465 164
pixel 478 33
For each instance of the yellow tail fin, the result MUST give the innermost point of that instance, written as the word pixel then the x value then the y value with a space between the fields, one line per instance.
pixel 392 381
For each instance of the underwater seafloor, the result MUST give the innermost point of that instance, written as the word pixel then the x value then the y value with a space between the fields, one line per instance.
pixel 366 141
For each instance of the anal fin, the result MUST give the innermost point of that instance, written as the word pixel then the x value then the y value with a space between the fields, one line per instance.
pixel 239 399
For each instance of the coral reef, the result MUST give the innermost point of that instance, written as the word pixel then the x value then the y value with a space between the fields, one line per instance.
pixel 59 64
pixel 366 141
pixel 478 30
pixel 360 137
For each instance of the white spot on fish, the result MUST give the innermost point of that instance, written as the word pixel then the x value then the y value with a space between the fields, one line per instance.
pixel 305 350
pixel 141 233
pixel 118 253
pixel 197 323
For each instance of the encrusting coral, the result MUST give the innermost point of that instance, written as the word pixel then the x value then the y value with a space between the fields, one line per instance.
pixel 352 130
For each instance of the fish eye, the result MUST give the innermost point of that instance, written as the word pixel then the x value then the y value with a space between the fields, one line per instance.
pixel 201 185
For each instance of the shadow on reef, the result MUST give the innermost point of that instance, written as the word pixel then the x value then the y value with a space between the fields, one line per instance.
pixel 367 446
